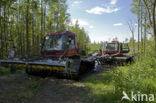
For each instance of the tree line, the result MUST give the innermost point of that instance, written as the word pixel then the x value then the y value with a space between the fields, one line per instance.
pixel 146 13
pixel 23 24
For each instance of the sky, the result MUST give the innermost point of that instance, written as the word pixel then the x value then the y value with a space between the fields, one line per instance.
pixel 103 19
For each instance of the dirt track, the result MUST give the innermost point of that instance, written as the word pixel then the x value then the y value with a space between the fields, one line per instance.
pixel 23 88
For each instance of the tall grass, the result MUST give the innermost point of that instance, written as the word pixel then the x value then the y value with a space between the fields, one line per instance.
pixel 101 88
pixel 138 77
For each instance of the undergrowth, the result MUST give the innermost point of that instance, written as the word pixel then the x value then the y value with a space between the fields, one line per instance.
pixel 138 77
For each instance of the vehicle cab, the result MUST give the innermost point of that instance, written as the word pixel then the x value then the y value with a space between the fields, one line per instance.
pixel 114 48
pixel 59 44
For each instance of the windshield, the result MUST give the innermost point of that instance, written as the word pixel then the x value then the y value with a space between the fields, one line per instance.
pixel 54 42
pixel 110 47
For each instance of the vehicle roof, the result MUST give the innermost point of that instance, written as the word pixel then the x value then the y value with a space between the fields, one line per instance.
pixel 60 33
pixel 112 42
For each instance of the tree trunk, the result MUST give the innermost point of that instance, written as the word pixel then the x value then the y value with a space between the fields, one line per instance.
pixel 133 42
pixel 154 22
pixel 1 35
pixel 154 32
pixel 145 27
pixel 27 28
pixel 44 18
pixel 33 35
pixel 41 19
pixel 4 31
pixel 141 22
pixel 151 17
pixel 139 27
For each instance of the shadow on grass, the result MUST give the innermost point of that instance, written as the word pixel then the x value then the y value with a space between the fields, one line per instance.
pixel 105 78
pixel 105 97
pixel 7 71
pixel 101 88
pixel 4 71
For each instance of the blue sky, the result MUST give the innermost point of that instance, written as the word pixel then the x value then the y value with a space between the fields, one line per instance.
pixel 102 19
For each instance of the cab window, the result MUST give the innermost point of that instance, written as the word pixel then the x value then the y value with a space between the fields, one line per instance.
pixel 71 42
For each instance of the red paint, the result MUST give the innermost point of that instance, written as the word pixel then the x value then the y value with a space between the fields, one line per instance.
pixel 56 54
pixel 112 52
pixel 68 54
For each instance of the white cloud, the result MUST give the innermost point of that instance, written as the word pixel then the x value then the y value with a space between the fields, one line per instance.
pixel 99 10
pixel 135 24
pixel 118 24
pixel 113 2
pixel 82 23
pixel 77 2
pixel 91 26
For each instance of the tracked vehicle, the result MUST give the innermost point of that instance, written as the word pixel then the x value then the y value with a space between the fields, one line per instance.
pixel 59 56
pixel 114 53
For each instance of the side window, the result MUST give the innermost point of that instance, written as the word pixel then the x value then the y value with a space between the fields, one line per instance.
pixel 104 47
pixel 125 48
pixel 71 42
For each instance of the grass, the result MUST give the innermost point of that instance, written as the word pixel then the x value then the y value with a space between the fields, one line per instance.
pixel 4 71
pixel 23 91
pixel 101 88
pixel 30 89
pixel 139 76
pixel 94 47
pixel 20 89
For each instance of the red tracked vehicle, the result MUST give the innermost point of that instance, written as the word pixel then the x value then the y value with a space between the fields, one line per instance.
pixel 114 53
pixel 59 57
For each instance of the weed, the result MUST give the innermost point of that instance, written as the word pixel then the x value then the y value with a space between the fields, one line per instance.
pixel 101 88
pixel 4 71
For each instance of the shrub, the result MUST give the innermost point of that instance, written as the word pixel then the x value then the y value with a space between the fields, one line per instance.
pixel 138 77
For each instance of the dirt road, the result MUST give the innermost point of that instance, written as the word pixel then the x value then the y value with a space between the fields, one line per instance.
pixel 23 88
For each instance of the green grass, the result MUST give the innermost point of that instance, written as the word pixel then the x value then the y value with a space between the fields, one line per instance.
pixel 94 47
pixel 24 92
pixel 101 88
pixel 4 71
pixel 139 76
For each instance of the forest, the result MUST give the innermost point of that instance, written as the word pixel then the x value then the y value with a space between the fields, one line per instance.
pixel 24 23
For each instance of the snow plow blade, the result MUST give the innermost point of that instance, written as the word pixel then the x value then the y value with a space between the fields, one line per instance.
pixel 13 63
pixel 67 68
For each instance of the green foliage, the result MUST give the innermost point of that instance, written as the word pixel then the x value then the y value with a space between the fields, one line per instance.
pixel 94 47
pixel 4 71
pixel 82 38
pixel 139 76
pixel 23 24
pixel 101 88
